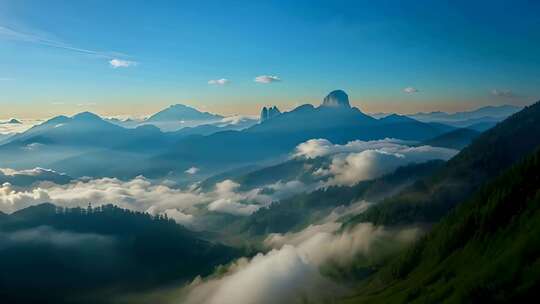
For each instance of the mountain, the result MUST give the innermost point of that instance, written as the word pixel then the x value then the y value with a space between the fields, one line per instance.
pixel 486 251
pixel 267 113
pixel 12 121
pixel 275 138
pixel 86 145
pixel 480 119
pixel 337 98
pixel 457 139
pixel 500 112
pixel 481 126
pixel 395 118
pixel 181 112
pixel 299 211
pixel 82 129
pixel 488 155
pixel 25 178
pixel 92 255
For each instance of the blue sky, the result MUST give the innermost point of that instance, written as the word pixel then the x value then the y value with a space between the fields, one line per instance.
pixel 55 56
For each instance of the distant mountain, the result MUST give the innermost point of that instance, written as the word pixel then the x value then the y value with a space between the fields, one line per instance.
pixel 484 252
pixel 11 121
pixel 181 112
pixel 480 119
pixel 487 156
pixel 500 112
pixel 86 145
pixel 27 178
pixel 457 139
pixel 395 118
pixel 96 254
pixel 481 126
pixel 278 136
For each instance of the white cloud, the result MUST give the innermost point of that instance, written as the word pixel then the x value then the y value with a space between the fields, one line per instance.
pixel 87 104
pixel 141 194
pixel 289 273
pixel 502 93
pixel 180 217
pixel 410 90
pixel 120 63
pixel 266 79
pixel 222 81
pixel 363 160
pixel 33 146
pixel 25 124
pixel 238 119
pixel 314 148
pixel 192 170
pixel 29 172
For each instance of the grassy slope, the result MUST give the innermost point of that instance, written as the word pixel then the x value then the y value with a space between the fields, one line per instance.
pixel 485 251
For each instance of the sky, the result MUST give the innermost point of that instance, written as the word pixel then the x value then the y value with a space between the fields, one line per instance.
pixel 233 57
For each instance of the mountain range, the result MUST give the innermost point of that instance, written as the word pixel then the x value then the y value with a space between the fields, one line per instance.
pixel 76 145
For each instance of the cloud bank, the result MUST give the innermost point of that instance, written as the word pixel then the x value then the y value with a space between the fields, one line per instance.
pixel 363 160
pixel 141 194
pixel 290 272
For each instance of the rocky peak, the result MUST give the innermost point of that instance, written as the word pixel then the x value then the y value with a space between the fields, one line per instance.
pixel 270 112
pixel 337 98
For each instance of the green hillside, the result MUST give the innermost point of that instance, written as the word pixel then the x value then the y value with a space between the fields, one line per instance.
pixel 492 152
pixel 485 251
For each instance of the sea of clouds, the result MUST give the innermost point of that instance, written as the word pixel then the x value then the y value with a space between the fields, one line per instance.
pixel 349 164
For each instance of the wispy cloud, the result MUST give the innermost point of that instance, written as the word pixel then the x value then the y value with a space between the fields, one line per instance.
pixel 502 93
pixel 119 63
pixel 192 170
pixel 87 104
pixel 17 35
pixel 222 81
pixel 410 90
pixel 266 79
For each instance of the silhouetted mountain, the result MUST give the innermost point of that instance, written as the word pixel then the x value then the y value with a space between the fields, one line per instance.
pixel 181 112
pixel 88 145
pixel 488 155
pixel 95 254
pixel 484 252
pixel 337 98
pixel 267 113
pixel 278 136
pixel 457 139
